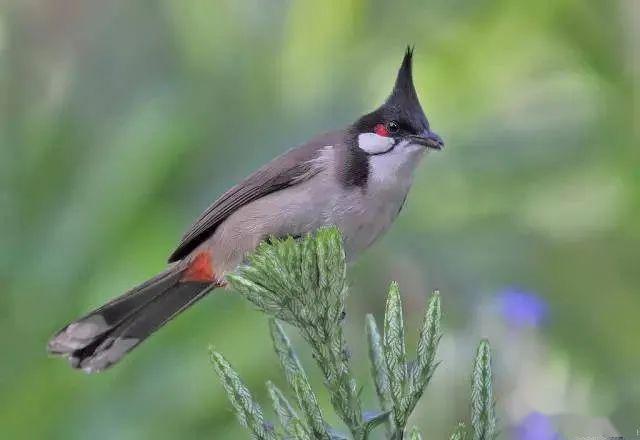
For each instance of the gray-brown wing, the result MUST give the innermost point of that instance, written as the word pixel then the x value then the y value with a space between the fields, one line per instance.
pixel 290 168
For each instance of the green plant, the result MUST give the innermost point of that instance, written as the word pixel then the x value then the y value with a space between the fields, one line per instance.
pixel 303 283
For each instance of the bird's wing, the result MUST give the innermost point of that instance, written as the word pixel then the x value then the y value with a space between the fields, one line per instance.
pixel 294 166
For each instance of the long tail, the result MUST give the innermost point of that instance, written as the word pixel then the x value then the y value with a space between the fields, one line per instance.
pixel 101 338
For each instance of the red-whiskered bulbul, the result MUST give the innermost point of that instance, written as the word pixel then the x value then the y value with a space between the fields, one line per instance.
pixel 356 179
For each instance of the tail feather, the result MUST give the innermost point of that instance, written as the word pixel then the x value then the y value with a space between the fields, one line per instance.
pixel 127 335
pixel 83 331
pixel 104 336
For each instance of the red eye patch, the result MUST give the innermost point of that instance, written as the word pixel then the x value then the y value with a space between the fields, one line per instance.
pixel 381 130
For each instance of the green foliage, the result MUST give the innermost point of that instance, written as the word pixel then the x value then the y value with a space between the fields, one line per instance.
pixel 304 283
pixel 379 369
pixel 247 409
pixel 298 381
pixel 415 434
pixel 395 354
pixel 459 433
pixel 409 379
pixel 483 418
pixel 292 424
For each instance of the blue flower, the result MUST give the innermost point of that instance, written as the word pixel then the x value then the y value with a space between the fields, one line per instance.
pixel 536 426
pixel 521 308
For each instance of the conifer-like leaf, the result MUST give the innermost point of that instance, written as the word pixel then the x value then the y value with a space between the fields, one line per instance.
pixel 336 435
pixel 303 282
pixel 395 354
pixel 247 409
pixel 378 367
pixel 483 419
pixel 459 433
pixel 415 434
pixel 331 273
pixel 293 426
pixel 307 400
pixel 428 340
pixel 308 265
pixel 374 419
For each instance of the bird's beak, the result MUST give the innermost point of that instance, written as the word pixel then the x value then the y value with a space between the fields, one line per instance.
pixel 429 139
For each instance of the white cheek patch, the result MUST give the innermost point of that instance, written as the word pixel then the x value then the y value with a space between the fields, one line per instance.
pixel 374 144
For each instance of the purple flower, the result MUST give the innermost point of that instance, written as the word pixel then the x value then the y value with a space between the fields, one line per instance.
pixel 521 308
pixel 536 426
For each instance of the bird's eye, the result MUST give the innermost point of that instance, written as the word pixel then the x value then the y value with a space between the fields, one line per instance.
pixel 393 126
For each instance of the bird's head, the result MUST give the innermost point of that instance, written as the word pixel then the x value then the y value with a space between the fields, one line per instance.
pixel 399 123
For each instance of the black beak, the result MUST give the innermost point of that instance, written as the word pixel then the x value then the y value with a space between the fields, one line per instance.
pixel 430 140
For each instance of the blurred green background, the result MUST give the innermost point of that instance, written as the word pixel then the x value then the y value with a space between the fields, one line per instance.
pixel 120 121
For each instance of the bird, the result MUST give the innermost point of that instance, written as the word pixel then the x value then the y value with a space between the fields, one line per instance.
pixel 356 178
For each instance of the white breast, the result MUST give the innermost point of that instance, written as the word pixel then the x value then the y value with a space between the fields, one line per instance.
pixel 365 214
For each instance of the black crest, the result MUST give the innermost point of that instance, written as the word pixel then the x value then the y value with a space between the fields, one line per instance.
pixel 404 99
pixel 402 105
